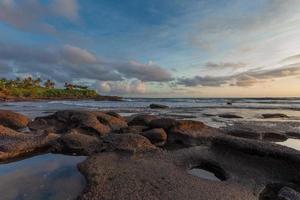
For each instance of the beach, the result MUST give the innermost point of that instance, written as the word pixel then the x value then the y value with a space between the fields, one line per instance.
pixel 206 143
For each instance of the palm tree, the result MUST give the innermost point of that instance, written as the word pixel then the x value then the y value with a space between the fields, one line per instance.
pixel 49 84
pixel 27 82
pixel 37 82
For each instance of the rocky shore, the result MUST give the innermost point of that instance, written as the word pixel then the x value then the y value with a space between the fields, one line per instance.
pixel 19 99
pixel 148 157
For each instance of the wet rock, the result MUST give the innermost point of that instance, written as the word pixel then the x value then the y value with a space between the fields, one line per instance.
pixel 114 114
pixel 251 164
pixel 128 142
pixel 190 133
pixel 158 106
pixel 274 115
pixel 133 129
pixel 13 120
pixel 142 120
pixel 270 131
pixel 15 144
pixel 280 191
pixel 151 176
pixel 230 116
pixel 287 193
pixel 79 144
pixel 165 123
pixel 89 122
pixel 259 148
pixel 157 136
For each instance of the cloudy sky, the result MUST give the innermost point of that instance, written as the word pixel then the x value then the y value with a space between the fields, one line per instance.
pixel 156 48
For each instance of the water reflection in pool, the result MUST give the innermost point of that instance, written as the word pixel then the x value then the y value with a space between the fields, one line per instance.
pixel 292 143
pixel 201 173
pixel 49 176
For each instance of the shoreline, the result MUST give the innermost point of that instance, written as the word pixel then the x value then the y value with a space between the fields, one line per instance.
pixel 29 99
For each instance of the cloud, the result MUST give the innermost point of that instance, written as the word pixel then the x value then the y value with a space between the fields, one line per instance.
pixel 224 65
pixel 77 55
pixel 294 58
pixel 144 72
pixel 203 81
pixel 244 79
pixel 70 63
pixel 121 88
pixel 33 15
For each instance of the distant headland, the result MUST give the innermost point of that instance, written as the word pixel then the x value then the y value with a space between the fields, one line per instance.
pixel 29 89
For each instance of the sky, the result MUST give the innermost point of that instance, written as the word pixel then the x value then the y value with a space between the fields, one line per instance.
pixel 156 48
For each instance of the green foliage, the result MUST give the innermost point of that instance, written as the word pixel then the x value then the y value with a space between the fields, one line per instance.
pixel 32 89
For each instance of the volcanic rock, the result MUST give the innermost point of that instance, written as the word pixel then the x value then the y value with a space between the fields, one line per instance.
pixel 128 142
pixel 157 136
pixel 158 106
pixel 15 144
pixel 79 144
pixel 191 133
pixel 13 120
pixel 89 122
pixel 150 176
pixel 142 120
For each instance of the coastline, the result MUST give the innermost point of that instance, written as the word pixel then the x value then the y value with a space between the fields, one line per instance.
pixel 4 98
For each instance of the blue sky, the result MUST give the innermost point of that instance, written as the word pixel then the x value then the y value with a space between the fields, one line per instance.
pixel 170 48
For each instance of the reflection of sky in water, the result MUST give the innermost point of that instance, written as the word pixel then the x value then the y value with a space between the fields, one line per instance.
pixel 43 177
pixel 201 173
pixel 292 143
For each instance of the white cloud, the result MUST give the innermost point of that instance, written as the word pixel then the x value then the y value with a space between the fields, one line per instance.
pixel 32 15
pixel 121 87
pixel 77 55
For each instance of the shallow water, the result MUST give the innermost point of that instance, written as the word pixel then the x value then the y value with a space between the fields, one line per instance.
pixel 43 177
pixel 201 173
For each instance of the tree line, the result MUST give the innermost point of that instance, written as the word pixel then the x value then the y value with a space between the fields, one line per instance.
pixel 29 82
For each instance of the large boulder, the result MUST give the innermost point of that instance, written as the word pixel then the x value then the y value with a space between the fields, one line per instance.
pixel 15 144
pixel 270 131
pixel 165 123
pixel 79 144
pixel 133 129
pixel 142 120
pixel 87 122
pixel 157 136
pixel 190 133
pixel 13 120
pixel 250 163
pixel 128 142
pixel 116 176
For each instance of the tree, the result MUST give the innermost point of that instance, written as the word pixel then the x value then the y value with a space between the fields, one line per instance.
pixel 68 86
pixel 28 82
pixel 49 84
pixel 37 82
